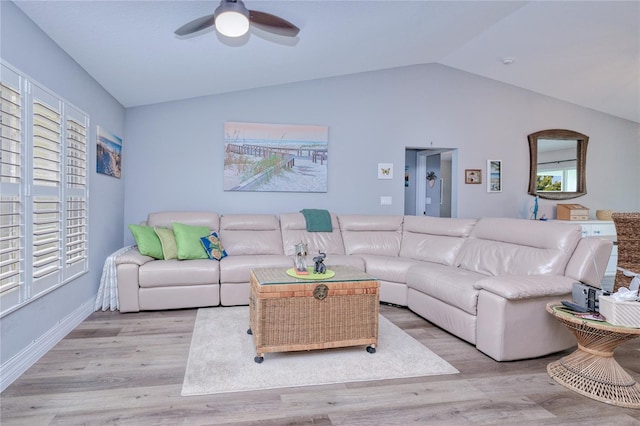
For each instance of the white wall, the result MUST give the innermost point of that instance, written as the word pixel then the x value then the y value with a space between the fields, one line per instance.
pixel 27 48
pixel 173 152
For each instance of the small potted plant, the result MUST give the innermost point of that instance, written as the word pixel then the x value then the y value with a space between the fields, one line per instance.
pixel 431 178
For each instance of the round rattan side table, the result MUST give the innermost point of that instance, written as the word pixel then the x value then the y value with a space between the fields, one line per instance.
pixel 592 370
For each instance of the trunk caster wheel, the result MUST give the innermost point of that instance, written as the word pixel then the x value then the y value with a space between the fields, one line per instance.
pixel 258 359
pixel 249 331
pixel 371 349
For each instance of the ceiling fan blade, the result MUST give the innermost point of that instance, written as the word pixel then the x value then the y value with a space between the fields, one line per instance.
pixel 196 25
pixel 273 24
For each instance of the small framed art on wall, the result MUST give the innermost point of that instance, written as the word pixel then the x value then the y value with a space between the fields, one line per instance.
pixel 473 176
pixel 494 173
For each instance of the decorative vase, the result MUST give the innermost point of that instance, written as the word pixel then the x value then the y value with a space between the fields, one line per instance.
pixel 431 183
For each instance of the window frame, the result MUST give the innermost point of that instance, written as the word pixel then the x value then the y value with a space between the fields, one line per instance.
pixel 64 192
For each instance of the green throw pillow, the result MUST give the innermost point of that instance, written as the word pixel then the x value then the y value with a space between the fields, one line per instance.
pixel 147 241
pixel 188 240
pixel 168 241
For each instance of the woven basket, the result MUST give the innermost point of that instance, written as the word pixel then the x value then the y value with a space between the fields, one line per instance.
pixel 604 214
pixel 628 236
pixel 626 314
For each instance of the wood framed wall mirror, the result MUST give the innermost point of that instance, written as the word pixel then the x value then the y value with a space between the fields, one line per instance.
pixel 557 166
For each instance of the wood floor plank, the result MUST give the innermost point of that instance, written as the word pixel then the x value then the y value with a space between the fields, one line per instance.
pixel 466 412
pixel 127 369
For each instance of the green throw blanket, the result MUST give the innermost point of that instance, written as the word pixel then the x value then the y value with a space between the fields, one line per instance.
pixel 317 220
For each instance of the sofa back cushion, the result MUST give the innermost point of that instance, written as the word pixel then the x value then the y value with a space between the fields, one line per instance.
pixel 250 234
pixel 294 230
pixel 166 219
pixel 434 239
pixel 371 234
pixel 504 246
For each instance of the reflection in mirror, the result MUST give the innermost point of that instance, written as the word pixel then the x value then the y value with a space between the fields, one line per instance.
pixel 557 164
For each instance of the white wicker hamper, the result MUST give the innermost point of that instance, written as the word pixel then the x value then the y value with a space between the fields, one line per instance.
pixel 626 314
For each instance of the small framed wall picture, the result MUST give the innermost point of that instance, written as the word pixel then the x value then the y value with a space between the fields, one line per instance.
pixel 494 175
pixel 473 176
pixel 385 170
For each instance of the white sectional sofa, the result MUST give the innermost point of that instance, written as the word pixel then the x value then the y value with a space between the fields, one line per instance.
pixel 485 280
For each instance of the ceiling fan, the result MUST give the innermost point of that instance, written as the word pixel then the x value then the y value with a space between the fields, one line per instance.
pixel 232 19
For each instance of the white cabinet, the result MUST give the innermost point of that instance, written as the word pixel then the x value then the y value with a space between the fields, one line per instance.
pixel 602 229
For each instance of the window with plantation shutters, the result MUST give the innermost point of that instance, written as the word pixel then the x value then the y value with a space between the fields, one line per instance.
pixel 46 236
pixel 10 242
pixel 11 181
pixel 10 122
pixel 46 231
pixel 44 190
pixel 46 187
pixel 76 192
pixel 46 145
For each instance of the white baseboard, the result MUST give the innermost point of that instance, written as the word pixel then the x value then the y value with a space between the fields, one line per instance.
pixel 18 364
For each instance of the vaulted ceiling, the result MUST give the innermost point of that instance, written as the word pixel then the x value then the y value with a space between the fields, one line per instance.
pixel 587 53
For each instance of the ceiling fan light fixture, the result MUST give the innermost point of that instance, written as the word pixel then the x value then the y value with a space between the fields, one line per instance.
pixel 232 19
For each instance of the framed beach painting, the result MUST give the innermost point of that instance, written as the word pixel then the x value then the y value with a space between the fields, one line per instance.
pixel 494 174
pixel 108 153
pixel 275 157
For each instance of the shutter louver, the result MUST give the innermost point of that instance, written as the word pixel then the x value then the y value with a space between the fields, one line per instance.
pixel 11 151
pixel 10 124
pixel 46 145
pixel 46 236
pixel 10 243
pixel 47 212
pixel 76 182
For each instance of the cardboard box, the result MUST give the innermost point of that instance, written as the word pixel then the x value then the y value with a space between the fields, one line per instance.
pixel 572 212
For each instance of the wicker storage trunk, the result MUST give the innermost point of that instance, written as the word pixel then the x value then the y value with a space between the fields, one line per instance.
pixel 290 314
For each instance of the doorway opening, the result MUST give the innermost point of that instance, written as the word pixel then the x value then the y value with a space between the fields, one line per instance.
pixel 424 196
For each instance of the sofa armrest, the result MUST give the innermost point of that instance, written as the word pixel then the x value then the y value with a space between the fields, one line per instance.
pixel 589 261
pixel 514 287
pixel 133 256
pixel 127 266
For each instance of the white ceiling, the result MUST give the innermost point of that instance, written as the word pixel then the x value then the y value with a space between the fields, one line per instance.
pixel 587 53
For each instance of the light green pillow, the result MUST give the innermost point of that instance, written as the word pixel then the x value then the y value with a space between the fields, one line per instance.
pixel 147 241
pixel 168 241
pixel 188 240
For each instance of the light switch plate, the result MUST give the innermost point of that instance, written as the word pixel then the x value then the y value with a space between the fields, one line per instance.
pixel 385 200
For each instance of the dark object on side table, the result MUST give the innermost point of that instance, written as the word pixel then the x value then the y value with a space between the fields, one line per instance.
pixel 320 267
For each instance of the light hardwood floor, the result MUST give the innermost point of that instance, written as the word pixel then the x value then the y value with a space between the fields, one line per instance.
pixel 127 369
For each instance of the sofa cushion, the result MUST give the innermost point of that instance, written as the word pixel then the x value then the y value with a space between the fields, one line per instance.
pixel 452 286
pixel 504 246
pixel 236 269
pixel 294 230
pixel 387 268
pixel 434 239
pixel 147 241
pixel 251 234
pixel 168 241
pixel 165 219
pixel 526 286
pixel 165 273
pixel 188 241
pixel 371 234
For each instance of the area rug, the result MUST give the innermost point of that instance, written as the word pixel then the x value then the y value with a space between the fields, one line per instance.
pixel 221 358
